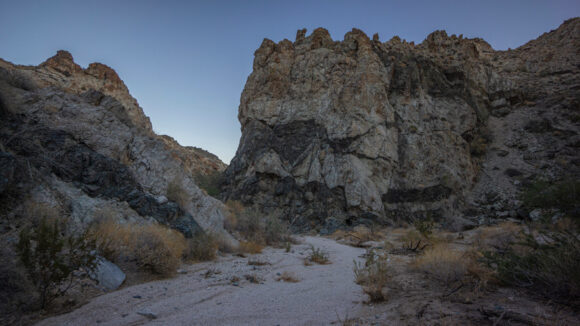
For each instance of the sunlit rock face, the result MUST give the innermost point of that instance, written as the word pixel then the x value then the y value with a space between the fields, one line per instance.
pixel 76 139
pixel 351 131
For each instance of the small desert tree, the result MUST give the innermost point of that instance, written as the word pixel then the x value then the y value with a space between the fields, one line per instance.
pixel 51 258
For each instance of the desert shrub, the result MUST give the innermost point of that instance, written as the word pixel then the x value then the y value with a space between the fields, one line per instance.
pixel 254 278
pixel 563 195
pixel 211 182
pixel 202 247
pixel 153 247
pixel 547 263
pixel 478 146
pixel 158 248
pixel 373 275
pixel 176 192
pixel 425 227
pixel 50 258
pixel 317 256
pixel 442 263
pixel 252 226
pixel 414 242
pixel 234 209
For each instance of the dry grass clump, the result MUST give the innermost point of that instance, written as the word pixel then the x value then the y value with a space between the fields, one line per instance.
pixel 256 262
pixel 288 277
pixel 442 263
pixel 254 278
pixel 317 256
pixel 152 247
pixel 373 275
pixel 497 237
pixel 249 247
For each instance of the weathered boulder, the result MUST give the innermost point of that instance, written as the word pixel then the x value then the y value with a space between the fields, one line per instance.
pixel 108 275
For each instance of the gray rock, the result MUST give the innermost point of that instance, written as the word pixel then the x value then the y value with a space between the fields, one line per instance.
pixel 108 275
pixel 536 214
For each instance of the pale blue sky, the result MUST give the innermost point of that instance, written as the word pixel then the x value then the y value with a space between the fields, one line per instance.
pixel 186 62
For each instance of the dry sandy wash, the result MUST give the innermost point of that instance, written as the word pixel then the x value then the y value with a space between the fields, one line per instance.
pixel 324 294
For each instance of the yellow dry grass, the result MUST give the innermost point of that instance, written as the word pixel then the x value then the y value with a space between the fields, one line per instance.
pixel 154 247
pixel 442 263
pixel 249 247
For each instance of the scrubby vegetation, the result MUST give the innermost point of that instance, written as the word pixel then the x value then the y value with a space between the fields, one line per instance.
pixel 546 261
pixel 202 247
pixel 152 247
pixel 563 195
pixel 211 183
pixel 442 263
pixel 50 258
pixel 253 227
pixel 318 256
pixel 373 275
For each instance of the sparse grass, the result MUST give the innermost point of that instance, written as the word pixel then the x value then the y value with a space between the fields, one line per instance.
pixel 211 272
pixel 249 247
pixel 256 262
pixel 317 256
pixel 254 278
pixel 152 247
pixel 288 277
pixel 442 263
pixel 497 237
pixel 373 275
pixel 176 192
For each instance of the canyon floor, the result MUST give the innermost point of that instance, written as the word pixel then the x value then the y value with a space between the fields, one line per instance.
pixel 249 290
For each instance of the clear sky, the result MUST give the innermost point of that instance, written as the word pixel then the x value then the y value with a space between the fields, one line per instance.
pixel 186 62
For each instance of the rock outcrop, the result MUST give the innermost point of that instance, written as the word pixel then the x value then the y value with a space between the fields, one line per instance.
pixel 76 139
pixel 343 132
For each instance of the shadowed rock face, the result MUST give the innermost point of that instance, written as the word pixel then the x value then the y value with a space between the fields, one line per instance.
pixel 76 139
pixel 337 132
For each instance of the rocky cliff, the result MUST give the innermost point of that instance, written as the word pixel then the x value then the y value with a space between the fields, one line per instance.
pixel 358 130
pixel 76 139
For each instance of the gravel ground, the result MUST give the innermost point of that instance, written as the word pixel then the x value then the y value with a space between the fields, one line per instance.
pixel 324 294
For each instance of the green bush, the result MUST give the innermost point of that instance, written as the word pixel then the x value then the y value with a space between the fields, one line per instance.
pixel 548 264
pixel 50 258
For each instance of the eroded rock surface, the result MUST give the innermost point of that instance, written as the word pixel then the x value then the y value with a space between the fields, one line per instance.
pixel 341 132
